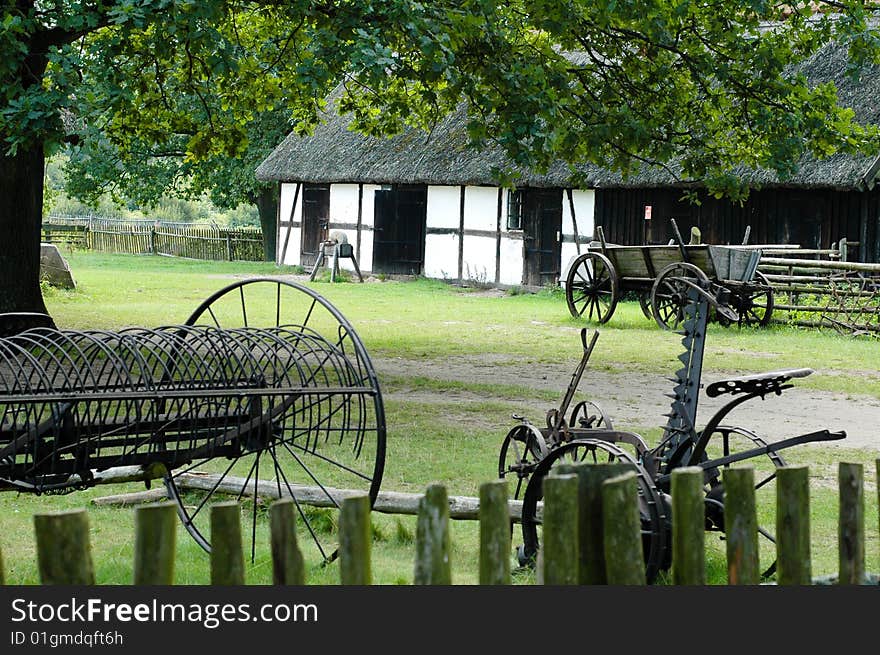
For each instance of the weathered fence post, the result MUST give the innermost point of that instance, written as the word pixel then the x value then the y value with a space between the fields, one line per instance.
pixel 851 524
pixel 793 526
pixel 432 538
pixel 64 553
pixel 227 557
pixel 355 541
pixel 494 534
pixel 560 548
pixel 591 540
pixel 288 567
pixel 688 527
pixel 741 526
pixel 624 559
pixel 154 544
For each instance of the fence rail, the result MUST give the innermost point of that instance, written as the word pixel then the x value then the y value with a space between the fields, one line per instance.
pixel 822 288
pixel 194 241
pixel 584 541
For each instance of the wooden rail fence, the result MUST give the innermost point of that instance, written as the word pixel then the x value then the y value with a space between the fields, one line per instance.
pixel 194 241
pixel 591 534
pixel 822 288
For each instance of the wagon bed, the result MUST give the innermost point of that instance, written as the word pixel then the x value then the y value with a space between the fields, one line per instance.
pixel 661 274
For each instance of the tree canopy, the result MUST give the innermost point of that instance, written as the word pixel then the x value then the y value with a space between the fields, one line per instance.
pixel 701 86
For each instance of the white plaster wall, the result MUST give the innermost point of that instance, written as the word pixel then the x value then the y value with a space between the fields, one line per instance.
pixel 585 214
pixel 481 209
pixel 343 203
pixel 443 208
pixel 365 259
pixel 441 256
pixel 479 259
pixel 511 261
pixel 290 255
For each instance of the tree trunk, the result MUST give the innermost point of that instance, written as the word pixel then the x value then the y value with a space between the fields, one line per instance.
pixel 21 217
pixel 267 205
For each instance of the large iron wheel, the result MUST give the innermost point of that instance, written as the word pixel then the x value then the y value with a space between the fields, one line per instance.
pixel 330 437
pixel 655 533
pixel 669 293
pixel 592 287
pixel 728 440
pixel 754 304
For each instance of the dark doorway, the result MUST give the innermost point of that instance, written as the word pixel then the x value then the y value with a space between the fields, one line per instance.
pixel 315 219
pixel 542 227
pixel 399 230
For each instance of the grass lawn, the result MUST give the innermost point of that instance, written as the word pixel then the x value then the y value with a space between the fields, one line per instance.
pixel 439 437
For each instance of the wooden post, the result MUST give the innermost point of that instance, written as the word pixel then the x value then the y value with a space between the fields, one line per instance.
pixel 851 524
pixel 793 526
pixel 741 526
pixel 64 554
pixel 494 534
pixel 624 559
pixel 154 544
pixel 560 548
pixel 688 527
pixel 355 541
pixel 591 539
pixel 432 538
pixel 227 556
pixel 288 567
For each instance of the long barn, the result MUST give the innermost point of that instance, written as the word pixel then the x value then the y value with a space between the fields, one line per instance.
pixel 421 204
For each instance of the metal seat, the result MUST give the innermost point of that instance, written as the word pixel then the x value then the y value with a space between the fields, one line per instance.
pixel 761 383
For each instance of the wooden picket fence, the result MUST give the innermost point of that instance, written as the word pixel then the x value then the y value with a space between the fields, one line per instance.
pixel 191 240
pixel 591 534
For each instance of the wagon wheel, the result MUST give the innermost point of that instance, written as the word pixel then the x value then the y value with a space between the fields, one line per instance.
pixel 755 307
pixel 331 436
pixel 592 287
pixel 727 440
pixel 655 533
pixel 588 415
pixel 645 304
pixel 521 451
pixel 669 293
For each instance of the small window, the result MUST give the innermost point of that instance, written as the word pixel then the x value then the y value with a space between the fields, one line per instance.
pixel 514 209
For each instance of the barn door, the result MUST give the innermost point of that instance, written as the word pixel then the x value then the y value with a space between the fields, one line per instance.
pixel 542 236
pixel 315 220
pixel 399 238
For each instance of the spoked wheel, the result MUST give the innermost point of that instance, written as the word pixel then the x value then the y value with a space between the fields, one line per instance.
pixel 310 418
pixel 655 533
pixel 755 308
pixel 645 305
pixel 726 440
pixel 587 414
pixel 669 293
pixel 521 450
pixel 592 287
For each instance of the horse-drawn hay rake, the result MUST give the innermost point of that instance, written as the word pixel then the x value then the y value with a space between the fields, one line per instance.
pixel 586 434
pixel 265 379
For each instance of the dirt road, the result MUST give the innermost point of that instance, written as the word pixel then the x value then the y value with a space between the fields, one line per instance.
pixel 638 399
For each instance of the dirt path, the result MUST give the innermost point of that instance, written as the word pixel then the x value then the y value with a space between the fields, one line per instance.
pixel 638 399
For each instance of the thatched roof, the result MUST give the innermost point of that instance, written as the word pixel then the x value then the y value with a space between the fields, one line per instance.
pixel 335 154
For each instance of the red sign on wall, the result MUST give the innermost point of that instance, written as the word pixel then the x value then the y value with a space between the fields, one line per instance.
pixel 647 212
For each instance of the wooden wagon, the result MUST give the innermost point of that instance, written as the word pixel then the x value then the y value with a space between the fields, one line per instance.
pixel 660 276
